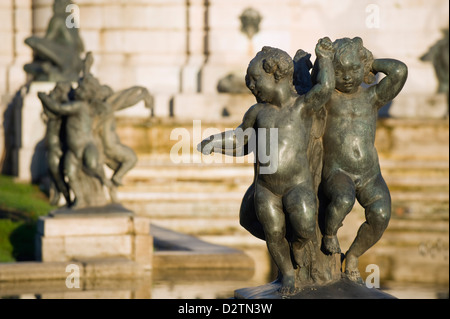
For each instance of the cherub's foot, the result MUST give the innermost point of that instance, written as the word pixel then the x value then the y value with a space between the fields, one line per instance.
pixel 287 286
pixel 330 244
pixel 351 269
pixel 355 276
pixel 117 181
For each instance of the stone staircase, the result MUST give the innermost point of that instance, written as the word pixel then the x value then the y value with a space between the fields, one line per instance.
pixel 415 246
pixel 204 199
pixel 192 198
pixel 160 189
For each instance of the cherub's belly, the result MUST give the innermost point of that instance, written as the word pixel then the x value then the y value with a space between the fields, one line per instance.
pixel 285 174
pixel 355 155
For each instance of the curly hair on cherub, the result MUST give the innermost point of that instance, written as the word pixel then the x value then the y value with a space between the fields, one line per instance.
pixel 346 46
pixel 277 62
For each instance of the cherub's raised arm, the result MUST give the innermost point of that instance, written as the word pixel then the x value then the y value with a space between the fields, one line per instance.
pixel 232 142
pixel 321 91
pixel 58 108
pixel 391 85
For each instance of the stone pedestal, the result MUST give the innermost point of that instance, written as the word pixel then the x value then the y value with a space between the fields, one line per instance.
pixel 94 233
pixel 341 289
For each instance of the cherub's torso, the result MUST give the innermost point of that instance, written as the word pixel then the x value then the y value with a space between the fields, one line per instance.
pixel 289 154
pixel 350 133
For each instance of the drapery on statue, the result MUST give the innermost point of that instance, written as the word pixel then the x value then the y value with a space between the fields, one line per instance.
pixel 81 138
pixel 324 137
pixel 57 56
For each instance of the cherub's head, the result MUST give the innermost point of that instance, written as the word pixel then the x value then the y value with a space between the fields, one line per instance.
pixel 104 92
pixel 87 89
pixel 266 71
pixel 352 64
pixel 59 6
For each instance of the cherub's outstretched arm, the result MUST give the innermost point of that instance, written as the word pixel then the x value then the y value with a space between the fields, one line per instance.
pixel 321 92
pixel 391 85
pixel 237 138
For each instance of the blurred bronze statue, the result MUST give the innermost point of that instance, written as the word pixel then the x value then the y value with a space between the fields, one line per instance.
pixel 57 55
pixel 438 55
pixel 55 142
pixel 87 137
pixel 250 20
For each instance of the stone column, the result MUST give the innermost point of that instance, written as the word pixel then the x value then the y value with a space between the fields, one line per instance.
pixel 22 28
pixel 15 26
pixel 196 46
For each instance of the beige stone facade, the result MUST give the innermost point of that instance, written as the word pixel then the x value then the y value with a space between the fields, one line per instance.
pixel 179 49
pixel 167 45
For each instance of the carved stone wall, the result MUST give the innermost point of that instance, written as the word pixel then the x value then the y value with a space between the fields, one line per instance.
pixel 184 47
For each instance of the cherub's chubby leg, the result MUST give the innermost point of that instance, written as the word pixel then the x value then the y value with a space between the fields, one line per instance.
pixel 54 158
pixel 247 214
pixel 129 160
pixel 300 206
pixel 71 167
pixel 90 158
pixel 91 162
pixel 126 159
pixel 269 210
pixel 340 190
pixel 376 200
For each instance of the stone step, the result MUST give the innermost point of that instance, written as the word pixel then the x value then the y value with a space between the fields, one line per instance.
pixel 404 188
pixel 408 264
pixel 408 189
pixel 423 225
pixel 417 234
pixel 150 165
pixel 221 161
pixel 147 196
pixel 187 186
pixel 413 164
pixel 199 172
pixel 403 234
pixel 396 173
pixel 185 209
pixel 417 181
pixel 159 187
pixel 178 196
pixel 441 196
pixel 229 208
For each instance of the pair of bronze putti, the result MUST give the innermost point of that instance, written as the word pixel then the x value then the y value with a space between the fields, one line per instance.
pixel 324 159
